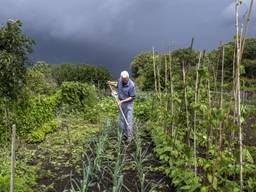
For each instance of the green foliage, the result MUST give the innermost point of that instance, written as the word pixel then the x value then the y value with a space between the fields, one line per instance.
pixel 38 135
pixel 39 79
pixel 142 108
pixel 36 111
pixel 186 55
pixel 221 169
pixel 176 160
pixel 83 73
pixel 81 96
pixel 21 185
pixel 107 107
pixel 248 59
pixel 14 50
pixel 25 176
pixel 139 63
pixel 143 69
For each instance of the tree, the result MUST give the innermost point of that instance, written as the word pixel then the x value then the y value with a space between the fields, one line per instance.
pixel 14 50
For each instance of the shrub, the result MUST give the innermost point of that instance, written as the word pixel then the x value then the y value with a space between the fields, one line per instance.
pixel 37 112
pixel 80 96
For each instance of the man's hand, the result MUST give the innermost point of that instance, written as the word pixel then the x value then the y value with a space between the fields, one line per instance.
pixel 120 102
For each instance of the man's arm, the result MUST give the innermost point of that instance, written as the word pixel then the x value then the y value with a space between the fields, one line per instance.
pixel 132 94
pixel 126 100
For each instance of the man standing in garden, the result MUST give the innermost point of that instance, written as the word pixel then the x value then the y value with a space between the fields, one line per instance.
pixel 126 94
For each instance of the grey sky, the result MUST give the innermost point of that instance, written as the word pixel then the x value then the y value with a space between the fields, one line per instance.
pixel 112 32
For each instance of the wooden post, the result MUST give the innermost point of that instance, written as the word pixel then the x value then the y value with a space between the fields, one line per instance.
pixel 192 43
pixel 13 158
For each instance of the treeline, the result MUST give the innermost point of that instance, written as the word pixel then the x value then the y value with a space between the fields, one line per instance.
pixel 83 73
pixel 145 64
pixel 49 76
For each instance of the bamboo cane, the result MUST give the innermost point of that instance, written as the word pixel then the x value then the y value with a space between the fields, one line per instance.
pixel 243 34
pixel 165 70
pixel 154 65
pixel 221 95
pixel 195 115
pixel 171 84
pixel 237 98
pixel 186 101
pixel 158 78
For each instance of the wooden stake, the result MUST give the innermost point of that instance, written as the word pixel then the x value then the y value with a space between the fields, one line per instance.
pixel 13 158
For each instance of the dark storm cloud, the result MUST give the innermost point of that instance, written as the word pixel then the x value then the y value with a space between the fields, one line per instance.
pixel 112 32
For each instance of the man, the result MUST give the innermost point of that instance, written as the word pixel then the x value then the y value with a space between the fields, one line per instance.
pixel 126 94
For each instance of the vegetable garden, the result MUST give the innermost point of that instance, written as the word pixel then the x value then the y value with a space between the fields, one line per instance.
pixel 194 130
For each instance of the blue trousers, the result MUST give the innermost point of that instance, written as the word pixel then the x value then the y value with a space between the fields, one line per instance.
pixel 128 109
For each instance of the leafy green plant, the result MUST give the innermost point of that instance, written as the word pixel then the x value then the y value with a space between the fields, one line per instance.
pixel 80 95
pixel 25 177
pixel 39 135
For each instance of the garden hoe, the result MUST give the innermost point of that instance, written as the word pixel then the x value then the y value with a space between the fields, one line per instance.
pixel 114 94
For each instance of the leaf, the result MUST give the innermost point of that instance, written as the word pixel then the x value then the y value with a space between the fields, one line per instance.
pixel 195 186
pixel 215 183
pixel 209 177
pixel 242 119
pixel 204 189
pixel 248 156
pixel 186 187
